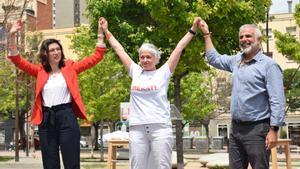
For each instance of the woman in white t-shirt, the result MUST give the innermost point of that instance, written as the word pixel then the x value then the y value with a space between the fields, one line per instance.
pixel 150 132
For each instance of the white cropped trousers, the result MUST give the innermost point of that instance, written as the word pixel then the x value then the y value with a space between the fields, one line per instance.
pixel 150 146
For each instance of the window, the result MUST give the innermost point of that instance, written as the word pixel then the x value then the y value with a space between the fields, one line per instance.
pixel 2 136
pixel 270 33
pixel 291 30
pixel 293 133
pixel 223 132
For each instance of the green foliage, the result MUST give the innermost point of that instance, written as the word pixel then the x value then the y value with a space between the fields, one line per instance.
pixel 5 158
pixel 8 78
pixel 287 45
pixel 165 22
pixel 297 13
pixel 83 41
pixel 33 40
pixel 104 86
pixel 197 96
pixel 7 88
pixel 292 88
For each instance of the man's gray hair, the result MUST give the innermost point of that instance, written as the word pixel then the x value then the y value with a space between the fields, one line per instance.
pixel 148 47
pixel 257 30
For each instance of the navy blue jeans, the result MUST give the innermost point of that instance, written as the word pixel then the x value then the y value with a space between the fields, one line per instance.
pixel 59 130
pixel 247 145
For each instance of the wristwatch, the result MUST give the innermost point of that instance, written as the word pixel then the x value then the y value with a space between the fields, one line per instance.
pixel 274 128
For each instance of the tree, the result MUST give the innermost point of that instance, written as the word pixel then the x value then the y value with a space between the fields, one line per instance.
pixel 289 46
pixel 14 10
pixel 165 22
pixel 7 94
pixel 197 100
pixel 292 88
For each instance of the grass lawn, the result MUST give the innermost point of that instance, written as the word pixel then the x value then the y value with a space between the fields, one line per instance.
pixel 5 158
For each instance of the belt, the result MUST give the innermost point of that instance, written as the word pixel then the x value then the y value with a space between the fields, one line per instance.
pixel 240 122
pixel 49 112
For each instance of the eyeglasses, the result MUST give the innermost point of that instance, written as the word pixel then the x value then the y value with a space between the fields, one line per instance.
pixel 54 49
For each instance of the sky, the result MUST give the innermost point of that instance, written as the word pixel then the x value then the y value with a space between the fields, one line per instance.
pixel 281 6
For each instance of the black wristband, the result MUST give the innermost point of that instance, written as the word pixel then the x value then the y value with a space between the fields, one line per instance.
pixel 274 128
pixel 192 32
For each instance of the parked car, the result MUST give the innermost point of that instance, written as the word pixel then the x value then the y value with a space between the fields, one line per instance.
pixel 23 144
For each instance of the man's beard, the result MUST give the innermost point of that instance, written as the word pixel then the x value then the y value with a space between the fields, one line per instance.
pixel 249 48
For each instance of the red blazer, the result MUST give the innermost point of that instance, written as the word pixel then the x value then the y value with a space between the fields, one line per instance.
pixel 69 71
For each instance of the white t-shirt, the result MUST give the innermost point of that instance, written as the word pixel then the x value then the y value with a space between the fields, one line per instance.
pixel 148 98
pixel 56 91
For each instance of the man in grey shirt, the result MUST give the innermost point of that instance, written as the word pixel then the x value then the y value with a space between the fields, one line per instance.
pixel 257 98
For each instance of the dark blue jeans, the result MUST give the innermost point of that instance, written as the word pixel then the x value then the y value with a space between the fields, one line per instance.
pixel 247 145
pixel 59 130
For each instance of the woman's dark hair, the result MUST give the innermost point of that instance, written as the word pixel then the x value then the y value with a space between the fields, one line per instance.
pixel 44 52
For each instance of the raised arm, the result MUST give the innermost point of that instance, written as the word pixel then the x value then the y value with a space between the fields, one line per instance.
pixel 13 53
pixel 96 57
pixel 207 39
pixel 175 55
pixel 114 43
pixel 12 37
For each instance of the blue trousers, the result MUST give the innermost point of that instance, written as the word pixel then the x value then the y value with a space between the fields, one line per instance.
pixel 59 130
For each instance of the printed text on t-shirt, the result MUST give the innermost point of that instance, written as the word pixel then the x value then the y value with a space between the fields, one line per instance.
pixel 144 88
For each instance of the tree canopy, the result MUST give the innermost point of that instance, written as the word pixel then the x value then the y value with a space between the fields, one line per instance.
pixel 165 22
pixel 292 88
pixel 289 46
pixel 197 97
pixel 105 85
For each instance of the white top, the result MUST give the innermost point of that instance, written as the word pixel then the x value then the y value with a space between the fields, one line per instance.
pixel 148 98
pixel 56 91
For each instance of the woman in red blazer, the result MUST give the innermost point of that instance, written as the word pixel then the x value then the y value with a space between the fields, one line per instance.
pixel 57 101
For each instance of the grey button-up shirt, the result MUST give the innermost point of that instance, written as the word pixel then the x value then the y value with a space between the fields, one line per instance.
pixel 257 87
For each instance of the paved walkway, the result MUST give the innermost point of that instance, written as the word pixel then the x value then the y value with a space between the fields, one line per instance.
pixel 34 161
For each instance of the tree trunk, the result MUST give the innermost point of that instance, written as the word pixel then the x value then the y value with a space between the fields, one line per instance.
pixel 93 139
pixel 101 136
pixel 179 144
pixel 96 125
pixel 179 126
pixel 205 124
